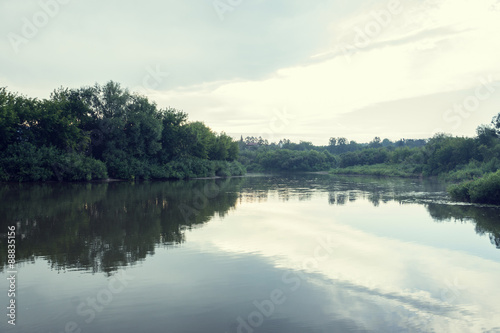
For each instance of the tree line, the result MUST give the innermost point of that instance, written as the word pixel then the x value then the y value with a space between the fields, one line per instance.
pixel 336 145
pixel 258 154
pixel 473 161
pixel 106 131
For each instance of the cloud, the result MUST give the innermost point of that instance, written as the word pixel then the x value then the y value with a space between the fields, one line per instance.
pixel 365 273
pixel 319 61
pixel 90 41
pixel 428 55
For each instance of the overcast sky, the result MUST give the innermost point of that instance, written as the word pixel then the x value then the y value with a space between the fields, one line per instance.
pixel 300 69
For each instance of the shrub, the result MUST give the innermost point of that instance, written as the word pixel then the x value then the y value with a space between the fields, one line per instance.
pixel 25 162
pixel 460 192
pixel 289 160
pixel 486 189
pixel 236 169
pixel 482 190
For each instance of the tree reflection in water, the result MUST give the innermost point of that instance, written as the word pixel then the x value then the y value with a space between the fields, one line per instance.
pixel 103 226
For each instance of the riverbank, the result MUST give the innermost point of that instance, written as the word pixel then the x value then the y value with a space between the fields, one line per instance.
pixel 384 170
pixel 78 168
pixel 482 190
pixel 464 186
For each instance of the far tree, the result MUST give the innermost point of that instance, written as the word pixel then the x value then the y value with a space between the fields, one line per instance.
pixel 486 135
pixel 496 123
pixel 342 141
pixel 386 142
pixel 376 142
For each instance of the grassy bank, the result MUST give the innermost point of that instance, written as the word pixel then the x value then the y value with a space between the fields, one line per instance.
pixel 477 185
pixel 472 170
pixel 382 169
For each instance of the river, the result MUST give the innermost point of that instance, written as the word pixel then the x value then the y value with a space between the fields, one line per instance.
pixel 262 253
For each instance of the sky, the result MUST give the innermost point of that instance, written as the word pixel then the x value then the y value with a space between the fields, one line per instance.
pixel 296 69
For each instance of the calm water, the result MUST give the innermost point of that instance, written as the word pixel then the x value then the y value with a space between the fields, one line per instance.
pixel 300 253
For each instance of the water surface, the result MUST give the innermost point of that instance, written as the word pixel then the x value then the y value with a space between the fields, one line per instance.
pixel 282 253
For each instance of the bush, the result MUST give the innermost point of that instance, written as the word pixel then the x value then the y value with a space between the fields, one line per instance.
pixel 386 170
pixel 197 168
pixel 486 189
pixel 118 165
pixel 460 192
pixel 222 169
pixel 482 190
pixel 472 170
pixel 288 160
pixel 237 169
pixel 75 167
pixel 469 171
pixel 445 153
pixel 24 162
pixel 368 156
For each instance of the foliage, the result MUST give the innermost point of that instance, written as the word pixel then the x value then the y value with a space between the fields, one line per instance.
pixel 288 160
pixel 25 162
pixel 87 133
pixel 383 169
pixel 482 190
pixel 473 170
pixel 443 153
pixel 366 156
pixel 450 158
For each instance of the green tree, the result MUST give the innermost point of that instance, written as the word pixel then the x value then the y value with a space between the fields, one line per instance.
pixel 61 138
pixel 496 123
pixel 375 143
pixel 224 148
pixel 332 142
pixel 174 135
pixel 486 135
pixel 9 119
pixel 202 139
pixel 443 153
